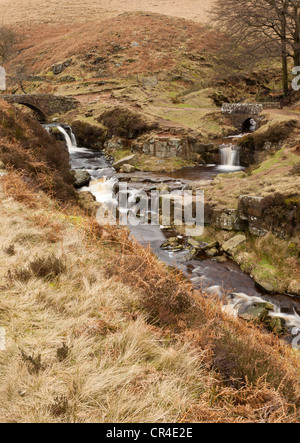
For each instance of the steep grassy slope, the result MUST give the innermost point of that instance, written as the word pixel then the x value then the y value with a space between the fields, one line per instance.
pixel 27 147
pixel 130 43
pixel 80 348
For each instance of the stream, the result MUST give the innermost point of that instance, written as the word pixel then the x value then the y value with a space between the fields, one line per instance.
pixel 216 278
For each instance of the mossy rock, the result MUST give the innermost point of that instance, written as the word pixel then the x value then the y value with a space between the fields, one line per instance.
pixel 277 325
pixel 90 136
pixel 256 314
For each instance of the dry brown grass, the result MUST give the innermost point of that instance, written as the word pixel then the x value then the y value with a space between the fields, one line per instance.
pixel 52 11
pixel 42 161
pixel 78 347
pixel 160 41
pixel 166 354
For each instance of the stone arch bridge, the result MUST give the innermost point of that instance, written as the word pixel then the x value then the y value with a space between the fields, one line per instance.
pixel 44 105
pixel 240 114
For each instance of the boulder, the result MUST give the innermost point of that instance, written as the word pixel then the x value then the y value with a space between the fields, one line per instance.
pixel 233 243
pixel 277 325
pixel 221 259
pixel 256 314
pixel 251 209
pixel 228 220
pixel 88 203
pixel 266 305
pixel 256 229
pixel 60 67
pixel 264 284
pixel 172 244
pixel 130 160
pixel 82 178
pixel 127 169
pixel 206 246
pixel 212 252
pixel 194 243
pixel 250 205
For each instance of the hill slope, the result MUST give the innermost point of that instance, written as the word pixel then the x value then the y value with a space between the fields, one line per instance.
pixel 53 11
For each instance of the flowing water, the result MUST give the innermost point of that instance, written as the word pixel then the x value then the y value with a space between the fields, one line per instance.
pixel 230 156
pixel 216 278
pixel 92 161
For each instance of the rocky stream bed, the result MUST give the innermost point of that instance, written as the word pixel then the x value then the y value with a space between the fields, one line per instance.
pixel 209 266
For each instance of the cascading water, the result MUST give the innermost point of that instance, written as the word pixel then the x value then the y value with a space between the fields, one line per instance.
pixel 229 155
pixel 102 189
pixel 241 301
pixel 70 140
pixel 83 159
pixel 67 137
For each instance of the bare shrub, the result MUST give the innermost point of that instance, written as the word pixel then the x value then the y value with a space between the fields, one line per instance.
pixel 8 40
pixel 125 123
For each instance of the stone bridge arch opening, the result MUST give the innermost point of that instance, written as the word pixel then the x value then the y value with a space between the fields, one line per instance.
pixel 249 125
pixel 243 116
pixel 38 112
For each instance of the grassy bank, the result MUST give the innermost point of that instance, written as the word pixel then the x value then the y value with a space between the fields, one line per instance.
pixel 99 330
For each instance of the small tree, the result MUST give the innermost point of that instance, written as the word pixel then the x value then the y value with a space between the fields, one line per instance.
pixel 274 24
pixel 20 76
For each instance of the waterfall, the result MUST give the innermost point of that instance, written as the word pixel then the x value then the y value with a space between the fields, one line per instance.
pixel 253 125
pixel 73 138
pixel 229 155
pixel 70 141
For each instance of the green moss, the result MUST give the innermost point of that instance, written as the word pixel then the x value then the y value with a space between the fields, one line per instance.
pixel 270 163
pixel 121 153
pixel 247 142
pixel 291 201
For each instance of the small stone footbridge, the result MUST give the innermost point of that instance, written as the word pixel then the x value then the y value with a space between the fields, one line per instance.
pixel 44 105
pixel 241 114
